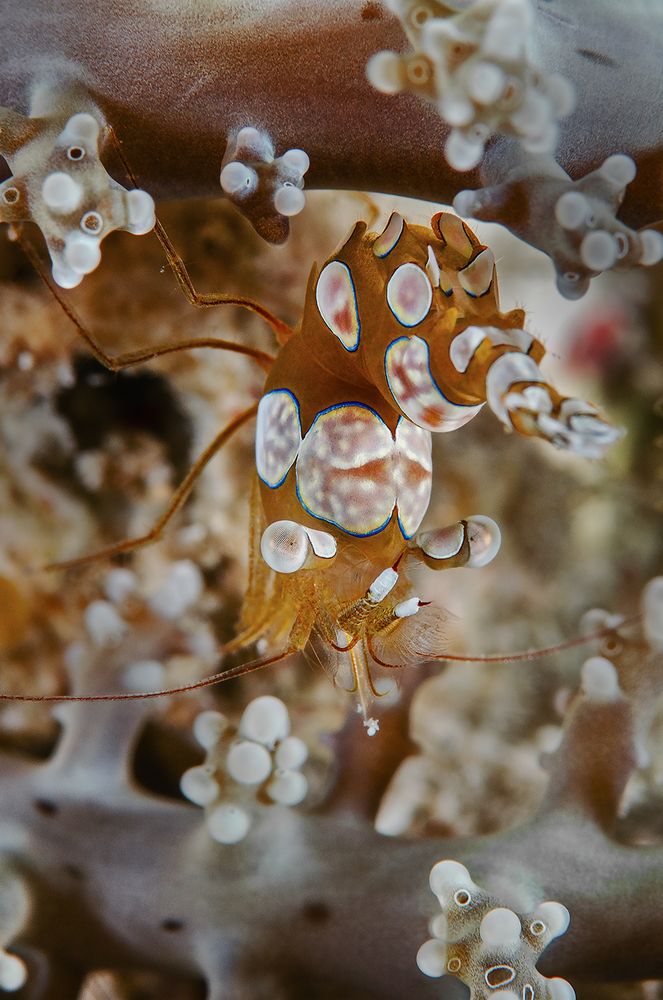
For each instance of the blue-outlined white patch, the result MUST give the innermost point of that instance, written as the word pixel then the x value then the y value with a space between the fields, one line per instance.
pixel 344 468
pixel 433 268
pixel 278 436
pixel 336 299
pixel 477 277
pixel 415 391
pixel 414 475
pixel 409 294
pixel 390 236
pixel 464 345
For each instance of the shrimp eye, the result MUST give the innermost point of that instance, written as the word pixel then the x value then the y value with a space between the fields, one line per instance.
pixel 284 546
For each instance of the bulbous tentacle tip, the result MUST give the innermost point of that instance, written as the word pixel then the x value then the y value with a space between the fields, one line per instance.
pixel 572 285
pixel 13 972
pixel 652 609
pixel 60 183
pixel 476 65
pixel 484 942
pixel 600 681
pixel 268 190
pixel 574 222
pixel 246 766
pixel 385 72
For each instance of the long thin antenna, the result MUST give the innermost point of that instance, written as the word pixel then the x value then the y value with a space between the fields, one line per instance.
pixel 118 362
pixel 282 331
pixel 218 678
pixel 529 654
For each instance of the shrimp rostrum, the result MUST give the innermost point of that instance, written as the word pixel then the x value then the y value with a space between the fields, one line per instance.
pixel 401 336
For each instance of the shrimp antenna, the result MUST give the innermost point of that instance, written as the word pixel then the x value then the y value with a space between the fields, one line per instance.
pixel 218 678
pixel 529 654
pixel 119 362
pixel 281 330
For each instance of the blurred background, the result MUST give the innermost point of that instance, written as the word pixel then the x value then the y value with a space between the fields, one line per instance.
pixel 88 457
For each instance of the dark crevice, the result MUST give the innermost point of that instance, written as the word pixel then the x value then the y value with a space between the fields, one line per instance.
pixel 372 11
pixel 101 403
pixel 316 912
pixel 162 755
pixel 46 807
pixel 598 57
pixel 172 925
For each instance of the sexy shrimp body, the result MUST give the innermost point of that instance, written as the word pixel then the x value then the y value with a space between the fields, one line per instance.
pixel 344 429
pixel 401 336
